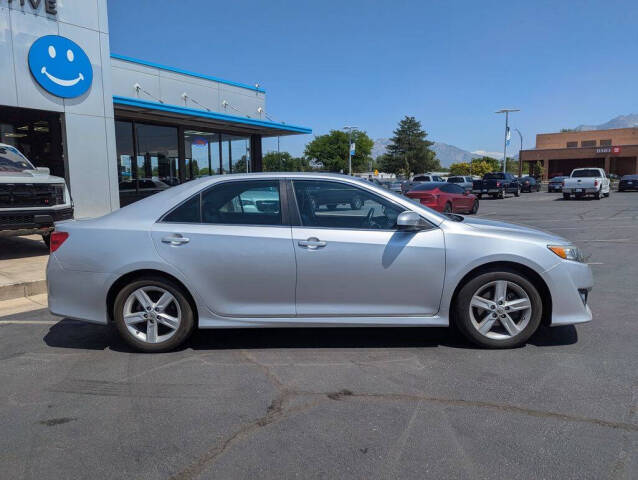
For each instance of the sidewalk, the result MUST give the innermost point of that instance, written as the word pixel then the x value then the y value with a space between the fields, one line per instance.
pixel 23 262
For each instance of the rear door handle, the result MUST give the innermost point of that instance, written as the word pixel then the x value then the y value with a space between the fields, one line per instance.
pixel 312 243
pixel 175 239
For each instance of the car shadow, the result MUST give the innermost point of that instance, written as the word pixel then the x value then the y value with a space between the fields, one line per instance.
pixel 85 336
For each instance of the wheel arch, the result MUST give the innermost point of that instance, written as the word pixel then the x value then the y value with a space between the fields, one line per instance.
pixel 135 274
pixel 515 267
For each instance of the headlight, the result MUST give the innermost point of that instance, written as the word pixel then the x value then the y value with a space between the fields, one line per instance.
pixel 567 252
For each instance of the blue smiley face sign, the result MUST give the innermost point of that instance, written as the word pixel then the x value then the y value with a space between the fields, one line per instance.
pixel 60 66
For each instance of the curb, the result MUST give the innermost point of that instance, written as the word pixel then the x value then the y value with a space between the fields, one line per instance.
pixel 23 289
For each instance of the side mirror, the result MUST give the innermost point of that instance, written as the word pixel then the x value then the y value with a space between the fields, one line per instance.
pixel 410 220
pixel 43 170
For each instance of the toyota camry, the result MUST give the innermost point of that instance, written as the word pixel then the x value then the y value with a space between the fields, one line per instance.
pixel 268 250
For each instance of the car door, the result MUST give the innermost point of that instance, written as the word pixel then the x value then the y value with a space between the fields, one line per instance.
pixel 355 262
pixel 233 246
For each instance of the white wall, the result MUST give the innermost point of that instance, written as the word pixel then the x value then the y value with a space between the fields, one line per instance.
pixel 89 122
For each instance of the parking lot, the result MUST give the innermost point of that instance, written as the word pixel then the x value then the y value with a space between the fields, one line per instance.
pixel 75 402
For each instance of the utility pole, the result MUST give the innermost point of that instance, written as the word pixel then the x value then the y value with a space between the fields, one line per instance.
pixel 520 162
pixel 350 129
pixel 506 111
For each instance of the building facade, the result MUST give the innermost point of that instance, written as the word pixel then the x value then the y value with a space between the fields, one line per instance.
pixel 117 128
pixel 615 150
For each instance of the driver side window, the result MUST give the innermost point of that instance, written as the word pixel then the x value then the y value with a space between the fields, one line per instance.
pixel 338 205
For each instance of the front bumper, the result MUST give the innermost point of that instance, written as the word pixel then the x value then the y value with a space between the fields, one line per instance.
pixel 568 281
pixel 29 220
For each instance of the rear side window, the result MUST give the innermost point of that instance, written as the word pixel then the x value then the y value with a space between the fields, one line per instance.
pixel 187 212
pixel 246 202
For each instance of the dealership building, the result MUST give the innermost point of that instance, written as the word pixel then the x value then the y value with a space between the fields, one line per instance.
pixel 614 150
pixel 117 128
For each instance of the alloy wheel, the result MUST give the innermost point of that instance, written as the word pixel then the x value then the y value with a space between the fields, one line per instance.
pixel 152 314
pixel 500 310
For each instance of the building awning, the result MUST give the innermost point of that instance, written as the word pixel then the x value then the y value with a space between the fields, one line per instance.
pixel 145 110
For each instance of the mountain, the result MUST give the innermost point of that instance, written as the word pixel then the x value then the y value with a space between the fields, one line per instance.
pixel 447 154
pixel 496 155
pixel 621 121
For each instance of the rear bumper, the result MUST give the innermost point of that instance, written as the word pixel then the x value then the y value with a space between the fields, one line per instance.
pixel 583 191
pixel 26 221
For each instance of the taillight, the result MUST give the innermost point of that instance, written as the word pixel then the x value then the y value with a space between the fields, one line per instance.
pixel 498 184
pixel 595 183
pixel 57 239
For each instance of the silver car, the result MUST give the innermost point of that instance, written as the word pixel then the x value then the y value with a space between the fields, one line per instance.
pixel 260 250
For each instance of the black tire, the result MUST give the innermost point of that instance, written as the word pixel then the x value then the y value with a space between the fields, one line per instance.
pixel 597 195
pixel 186 324
pixel 501 194
pixel 46 238
pixel 463 321
pixel 479 196
pixel 566 196
pixel 517 193
pixel 475 207
pixel 447 208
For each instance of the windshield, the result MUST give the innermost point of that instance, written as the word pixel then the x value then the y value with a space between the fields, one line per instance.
pixel 585 173
pixel 11 160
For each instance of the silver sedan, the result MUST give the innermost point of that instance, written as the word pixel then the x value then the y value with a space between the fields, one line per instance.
pixel 281 250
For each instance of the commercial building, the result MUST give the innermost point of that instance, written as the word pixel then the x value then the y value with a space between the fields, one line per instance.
pixel 115 127
pixel 615 150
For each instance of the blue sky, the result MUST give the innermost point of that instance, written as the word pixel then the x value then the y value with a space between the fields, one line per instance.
pixel 368 63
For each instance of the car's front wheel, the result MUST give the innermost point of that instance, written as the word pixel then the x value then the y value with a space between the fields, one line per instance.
pixel 498 309
pixel 153 314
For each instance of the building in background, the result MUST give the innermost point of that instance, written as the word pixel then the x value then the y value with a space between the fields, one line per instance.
pixel 117 128
pixel 615 150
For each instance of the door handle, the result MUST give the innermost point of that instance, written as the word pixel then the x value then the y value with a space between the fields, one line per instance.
pixel 312 243
pixel 175 239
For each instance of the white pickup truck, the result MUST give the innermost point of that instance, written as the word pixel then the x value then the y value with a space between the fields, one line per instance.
pixel 586 181
pixel 31 200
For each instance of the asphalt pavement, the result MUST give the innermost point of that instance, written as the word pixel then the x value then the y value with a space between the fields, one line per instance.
pixel 413 403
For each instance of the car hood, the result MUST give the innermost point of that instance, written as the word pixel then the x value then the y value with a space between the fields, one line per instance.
pixel 508 229
pixel 28 176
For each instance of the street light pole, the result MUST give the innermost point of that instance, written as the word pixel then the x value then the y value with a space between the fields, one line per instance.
pixel 349 129
pixel 506 111
pixel 520 162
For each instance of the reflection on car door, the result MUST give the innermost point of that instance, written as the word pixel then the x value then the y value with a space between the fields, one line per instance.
pixel 355 262
pixel 236 252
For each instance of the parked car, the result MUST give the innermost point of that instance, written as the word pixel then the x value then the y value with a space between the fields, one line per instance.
pixel 31 199
pixel 628 182
pixel 555 184
pixel 529 184
pixel 586 181
pixel 496 184
pixel 462 181
pixel 416 179
pixel 396 187
pixel 201 262
pixel 444 197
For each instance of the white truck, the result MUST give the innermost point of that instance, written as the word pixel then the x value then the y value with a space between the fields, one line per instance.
pixel 586 181
pixel 31 200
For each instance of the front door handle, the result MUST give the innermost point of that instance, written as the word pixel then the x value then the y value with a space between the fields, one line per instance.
pixel 175 239
pixel 312 243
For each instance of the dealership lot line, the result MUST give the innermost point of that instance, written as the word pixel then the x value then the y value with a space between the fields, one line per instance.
pixel 339 403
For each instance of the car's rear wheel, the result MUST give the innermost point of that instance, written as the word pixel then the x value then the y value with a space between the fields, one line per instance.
pixel 498 309
pixel 597 195
pixel 517 193
pixel 153 314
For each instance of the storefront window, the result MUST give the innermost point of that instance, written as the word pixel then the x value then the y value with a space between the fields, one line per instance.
pixel 240 154
pixel 157 157
pixel 225 160
pixel 201 152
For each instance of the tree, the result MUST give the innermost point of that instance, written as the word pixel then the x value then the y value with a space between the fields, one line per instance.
pixel 284 162
pixel 409 151
pixel 331 151
pixel 480 166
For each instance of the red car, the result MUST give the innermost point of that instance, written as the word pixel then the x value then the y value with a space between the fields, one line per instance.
pixel 445 197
